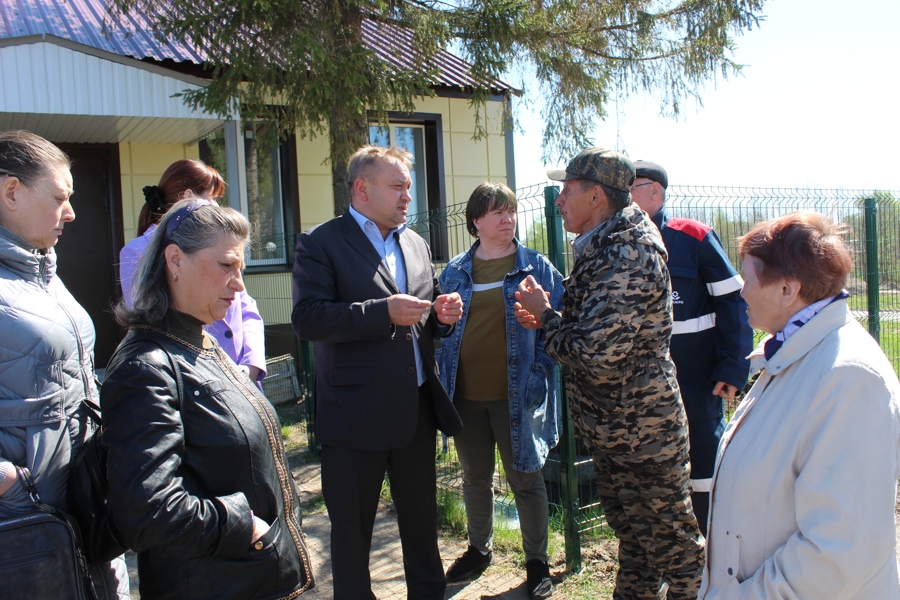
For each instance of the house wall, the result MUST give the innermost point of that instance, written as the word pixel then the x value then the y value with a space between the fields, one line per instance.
pixel 142 165
pixel 467 162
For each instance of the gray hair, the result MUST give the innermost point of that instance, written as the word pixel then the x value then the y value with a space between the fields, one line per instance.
pixel 27 156
pixel 618 199
pixel 200 229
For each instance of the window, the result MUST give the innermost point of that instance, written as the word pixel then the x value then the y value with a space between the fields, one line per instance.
pixel 421 134
pixel 257 169
pixel 265 200
pixel 412 139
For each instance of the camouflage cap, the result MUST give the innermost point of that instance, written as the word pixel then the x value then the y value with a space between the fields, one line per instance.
pixel 601 165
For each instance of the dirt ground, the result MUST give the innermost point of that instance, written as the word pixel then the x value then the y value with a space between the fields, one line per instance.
pixel 503 580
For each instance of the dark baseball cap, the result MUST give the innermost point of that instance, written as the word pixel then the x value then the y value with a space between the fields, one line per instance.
pixel 651 171
pixel 601 165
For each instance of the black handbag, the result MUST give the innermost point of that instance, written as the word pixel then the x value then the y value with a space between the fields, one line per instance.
pixel 88 486
pixel 40 553
pixel 86 496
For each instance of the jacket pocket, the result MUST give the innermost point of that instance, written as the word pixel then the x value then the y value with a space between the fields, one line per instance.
pixel 270 537
pixel 40 399
pixel 449 286
pixel 254 575
pixel 537 386
pixel 682 272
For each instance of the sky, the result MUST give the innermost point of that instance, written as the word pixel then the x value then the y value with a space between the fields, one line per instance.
pixel 816 106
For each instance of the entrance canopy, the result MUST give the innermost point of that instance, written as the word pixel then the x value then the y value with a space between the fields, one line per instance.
pixel 69 92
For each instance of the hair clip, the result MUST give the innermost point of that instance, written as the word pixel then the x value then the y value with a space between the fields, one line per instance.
pixel 153 196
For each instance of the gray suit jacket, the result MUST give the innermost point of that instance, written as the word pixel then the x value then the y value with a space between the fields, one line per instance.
pixel 366 384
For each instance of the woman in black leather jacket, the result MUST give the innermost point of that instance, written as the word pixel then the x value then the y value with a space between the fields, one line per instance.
pixel 199 484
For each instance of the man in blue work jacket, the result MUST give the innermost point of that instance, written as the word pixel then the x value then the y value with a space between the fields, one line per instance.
pixel 711 336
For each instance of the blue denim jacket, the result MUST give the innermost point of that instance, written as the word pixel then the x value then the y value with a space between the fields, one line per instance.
pixel 533 402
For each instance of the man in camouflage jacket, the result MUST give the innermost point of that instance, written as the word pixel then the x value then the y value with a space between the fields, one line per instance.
pixel 613 335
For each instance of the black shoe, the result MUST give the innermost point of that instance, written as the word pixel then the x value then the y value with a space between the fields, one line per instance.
pixel 538 583
pixel 469 565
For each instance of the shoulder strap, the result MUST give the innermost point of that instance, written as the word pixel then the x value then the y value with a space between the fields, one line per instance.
pixel 93 409
pixel 28 483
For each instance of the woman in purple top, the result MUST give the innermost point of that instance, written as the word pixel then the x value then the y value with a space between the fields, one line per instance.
pixel 240 333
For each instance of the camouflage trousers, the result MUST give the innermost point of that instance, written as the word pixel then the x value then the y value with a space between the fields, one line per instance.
pixel 638 439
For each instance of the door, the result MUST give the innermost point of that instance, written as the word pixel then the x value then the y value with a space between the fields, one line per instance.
pixel 88 248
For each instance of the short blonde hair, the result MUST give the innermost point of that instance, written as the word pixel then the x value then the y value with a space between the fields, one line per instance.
pixel 366 158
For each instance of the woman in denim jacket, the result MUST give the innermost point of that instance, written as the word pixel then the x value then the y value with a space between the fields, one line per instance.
pixel 502 383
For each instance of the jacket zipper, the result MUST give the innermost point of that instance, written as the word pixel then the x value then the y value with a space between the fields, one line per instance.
pixel 284 474
pixel 84 379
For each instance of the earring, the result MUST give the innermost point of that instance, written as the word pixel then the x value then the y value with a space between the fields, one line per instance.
pixel 175 276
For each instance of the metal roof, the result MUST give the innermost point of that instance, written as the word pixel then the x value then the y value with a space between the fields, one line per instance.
pixel 394 45
pixel 82 21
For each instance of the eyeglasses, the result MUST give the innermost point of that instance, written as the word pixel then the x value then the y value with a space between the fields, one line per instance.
pixel 645 183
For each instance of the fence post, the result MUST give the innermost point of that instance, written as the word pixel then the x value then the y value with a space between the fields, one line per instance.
pixel 556 240
pixel 308 359
pixel 872 281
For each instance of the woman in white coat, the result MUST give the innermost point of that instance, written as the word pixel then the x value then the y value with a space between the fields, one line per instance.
pixel 803 496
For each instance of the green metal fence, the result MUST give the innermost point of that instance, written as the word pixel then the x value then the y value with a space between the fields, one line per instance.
pixel 872 222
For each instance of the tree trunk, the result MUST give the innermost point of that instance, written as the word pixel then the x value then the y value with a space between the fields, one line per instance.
pixel 348 133
pixel 348 128
pixel 251 157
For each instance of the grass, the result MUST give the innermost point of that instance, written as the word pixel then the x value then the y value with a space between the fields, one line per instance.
pixel 590 584
pixel 294 437
pixel 314 505
pixel 451 513
pixel 890 342
pixel 595 582
pixel 886 301
pixel 385 493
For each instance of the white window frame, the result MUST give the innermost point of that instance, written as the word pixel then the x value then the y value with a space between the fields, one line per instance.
pixel 420 167
pixel 236 165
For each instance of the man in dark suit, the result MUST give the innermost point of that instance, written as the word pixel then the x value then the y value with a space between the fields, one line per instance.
pixel 366 292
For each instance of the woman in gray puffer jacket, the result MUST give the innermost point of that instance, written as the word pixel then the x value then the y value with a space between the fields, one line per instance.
pixel 46 338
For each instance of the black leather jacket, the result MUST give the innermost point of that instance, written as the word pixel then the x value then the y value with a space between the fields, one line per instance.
pixel 185 475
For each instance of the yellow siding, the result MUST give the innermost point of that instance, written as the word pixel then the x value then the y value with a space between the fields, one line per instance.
pixel 464 186
pixel 436 105
pixel 496 149
pixel 316 200
pixel 467 162
pixel 272 292
pixel 469 156
pixel 314 182
pixel 495 118
pixel 141 165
